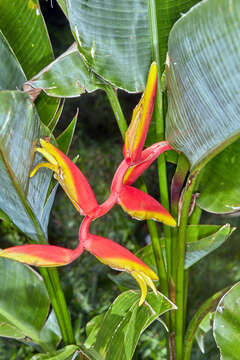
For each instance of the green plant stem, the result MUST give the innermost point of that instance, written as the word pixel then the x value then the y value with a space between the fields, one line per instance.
pixel 157 250
pixel 113 99
pixel 58 302
pixel 193 220
pixel 209 305
pixel 158 113
pixel 180 285
pixel 56 295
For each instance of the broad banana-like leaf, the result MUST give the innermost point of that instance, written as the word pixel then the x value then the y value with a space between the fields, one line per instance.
pixel 226 324
pixel 115 40
pixel 21 199
pixel 124 322
pixel 11 74
pixel 23 26
pixel 203 75
pixel 67 76
pixel 219 182
pixel 24 302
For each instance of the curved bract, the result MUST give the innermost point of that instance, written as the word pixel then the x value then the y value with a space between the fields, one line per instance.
pixel 69 176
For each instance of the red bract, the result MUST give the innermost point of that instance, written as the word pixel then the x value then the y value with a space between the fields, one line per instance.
pixel 69 176
pixel 135 202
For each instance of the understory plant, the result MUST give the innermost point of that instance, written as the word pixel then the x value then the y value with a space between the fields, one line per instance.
pixel 183 57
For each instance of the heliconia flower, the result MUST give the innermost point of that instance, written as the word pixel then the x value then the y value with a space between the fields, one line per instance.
pixel 142 206
pixel 69 176
pixel 119 258
pixel 136 134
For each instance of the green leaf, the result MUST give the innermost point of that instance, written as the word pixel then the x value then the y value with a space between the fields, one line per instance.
pixel 204 327
pixel 24 302
pixel 23 26
pixel 50 334
pixel 67 76
pixel 168 12
pixel 222 193
pixel 203 76
pixel 53 123
pixel 70 352
pixel 67 353
pixel 64 140
pixel 226 326
pixel 125 321
pixel 114 38
pixel 11 74
pixel 197 249
pixel 47 108
pixel 21 199
pixel 92 329
pixel 199 318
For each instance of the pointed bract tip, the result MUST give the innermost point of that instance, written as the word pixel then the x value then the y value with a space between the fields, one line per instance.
pixel 138 128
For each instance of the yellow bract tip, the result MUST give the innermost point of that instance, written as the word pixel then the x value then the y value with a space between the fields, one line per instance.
pixel 143 280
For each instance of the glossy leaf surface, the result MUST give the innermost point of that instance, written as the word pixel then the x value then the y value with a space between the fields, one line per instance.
pixel 24 302
pixel 23 200
pixel 50 334
pixel 197 249
pixel 114 37
pixel 65 138
pixel 226 324
pixel 70 352
pixel 204 327
pixel 222 193
pixel 125 321
pixel 203 74
pixel 11 74
pixel 23 26
pixel 67 76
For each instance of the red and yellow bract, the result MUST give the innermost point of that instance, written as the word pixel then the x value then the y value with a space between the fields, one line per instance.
pixel 69 176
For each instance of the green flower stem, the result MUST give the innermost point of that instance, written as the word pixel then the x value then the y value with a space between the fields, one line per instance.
pixel 51 279
pixel 56 295
pixel 209 305
pixel 158 113
pixel 113 99
pixel 157 250
pixel 194 219
pixel 180 284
